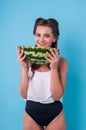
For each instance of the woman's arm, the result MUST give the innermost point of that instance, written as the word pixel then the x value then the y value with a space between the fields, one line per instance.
pixel 58 79
pixel 58 73
pixel 24 81
pixel 24 66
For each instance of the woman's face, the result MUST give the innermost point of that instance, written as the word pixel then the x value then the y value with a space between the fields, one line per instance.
pixel 44 36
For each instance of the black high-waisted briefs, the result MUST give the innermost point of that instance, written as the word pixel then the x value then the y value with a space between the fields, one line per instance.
pixel 43 114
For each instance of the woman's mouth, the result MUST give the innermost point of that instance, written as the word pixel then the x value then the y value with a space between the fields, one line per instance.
pixel 41 44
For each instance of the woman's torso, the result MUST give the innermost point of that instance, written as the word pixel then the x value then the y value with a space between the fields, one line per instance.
pixel 39 85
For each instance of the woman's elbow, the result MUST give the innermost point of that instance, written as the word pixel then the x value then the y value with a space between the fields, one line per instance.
pixel 23 93
pixel 57 96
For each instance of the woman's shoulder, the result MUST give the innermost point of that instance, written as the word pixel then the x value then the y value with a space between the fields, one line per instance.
pixel 63 62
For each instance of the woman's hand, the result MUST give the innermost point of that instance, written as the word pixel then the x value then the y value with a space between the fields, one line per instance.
pixel 53 58
pixel 21 58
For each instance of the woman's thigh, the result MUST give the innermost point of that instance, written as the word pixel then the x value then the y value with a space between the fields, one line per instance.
pixel 30 124
pixel 58 123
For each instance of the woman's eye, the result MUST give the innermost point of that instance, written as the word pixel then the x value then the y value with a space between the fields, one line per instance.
pixel 38 35
pixel 46 35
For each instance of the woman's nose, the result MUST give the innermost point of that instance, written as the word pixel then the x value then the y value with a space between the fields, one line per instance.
pixel 41 38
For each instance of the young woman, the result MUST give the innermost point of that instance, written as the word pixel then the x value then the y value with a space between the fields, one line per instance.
pixel 43 85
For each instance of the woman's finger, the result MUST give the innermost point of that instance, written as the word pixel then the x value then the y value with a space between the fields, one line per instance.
pixel 56 52
pixel 18 50
pixel 48 59
pixel 53 53
pixel 48 55
pixel 21 54
pixel 23 58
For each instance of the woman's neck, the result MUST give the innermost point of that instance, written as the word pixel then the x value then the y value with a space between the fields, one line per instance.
pixel 43 68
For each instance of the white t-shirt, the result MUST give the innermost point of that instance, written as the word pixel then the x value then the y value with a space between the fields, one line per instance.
pixel 39 87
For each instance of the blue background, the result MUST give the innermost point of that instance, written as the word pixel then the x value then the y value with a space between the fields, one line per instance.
pixel 17 19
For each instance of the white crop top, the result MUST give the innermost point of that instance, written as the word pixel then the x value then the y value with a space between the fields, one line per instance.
pixel 39 87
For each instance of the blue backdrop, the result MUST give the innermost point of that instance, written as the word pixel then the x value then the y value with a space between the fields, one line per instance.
pixel 17 19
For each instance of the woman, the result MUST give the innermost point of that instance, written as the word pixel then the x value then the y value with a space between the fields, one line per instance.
pixel 43 85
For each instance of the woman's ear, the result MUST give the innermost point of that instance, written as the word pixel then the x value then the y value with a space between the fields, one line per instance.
pixel 55 39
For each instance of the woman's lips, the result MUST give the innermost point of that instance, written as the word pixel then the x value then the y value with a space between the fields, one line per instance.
pixel 41 44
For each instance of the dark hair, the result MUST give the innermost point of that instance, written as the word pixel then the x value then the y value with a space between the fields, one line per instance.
pixel 54 25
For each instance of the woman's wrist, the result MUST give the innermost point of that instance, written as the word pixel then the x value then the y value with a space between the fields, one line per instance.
pixel 53 66
pixel 24 67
